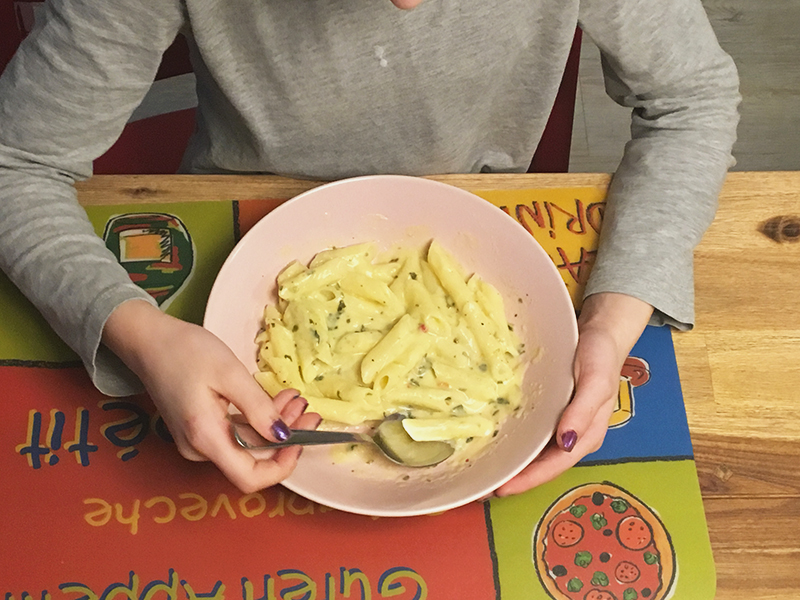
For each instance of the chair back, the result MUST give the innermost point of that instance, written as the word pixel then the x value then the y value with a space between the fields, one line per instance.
pixel 552 154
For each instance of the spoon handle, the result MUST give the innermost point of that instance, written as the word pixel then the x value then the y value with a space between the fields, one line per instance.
pixel 298 437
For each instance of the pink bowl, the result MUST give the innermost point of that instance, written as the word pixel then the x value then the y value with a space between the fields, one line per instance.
pixel 392 210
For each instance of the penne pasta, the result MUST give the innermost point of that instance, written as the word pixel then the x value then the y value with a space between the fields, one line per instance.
pixel 364 335
pixel 357 254
pixel 490 346
pixel 390 347
pixel 368 288
pixel 424 307
pixel 397 372
pixel 491 302
pixel 341 411
pixel 449 274
pixel 449 428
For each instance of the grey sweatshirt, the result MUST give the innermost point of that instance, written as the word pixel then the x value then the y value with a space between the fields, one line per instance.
pixel 335 88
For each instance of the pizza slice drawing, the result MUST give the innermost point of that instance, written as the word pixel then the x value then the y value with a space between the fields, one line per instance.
pixel 599 542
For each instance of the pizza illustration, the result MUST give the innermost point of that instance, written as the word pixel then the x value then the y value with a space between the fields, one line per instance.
pixel 599 542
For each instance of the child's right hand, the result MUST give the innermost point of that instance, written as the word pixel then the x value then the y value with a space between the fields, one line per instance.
pixel 193 378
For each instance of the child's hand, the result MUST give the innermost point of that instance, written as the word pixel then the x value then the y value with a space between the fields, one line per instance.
pixel 609 326
pixel 192 378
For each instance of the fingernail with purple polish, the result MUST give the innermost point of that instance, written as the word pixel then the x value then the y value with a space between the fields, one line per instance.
pixel 281 431
pixel 568 439
pixel 305 404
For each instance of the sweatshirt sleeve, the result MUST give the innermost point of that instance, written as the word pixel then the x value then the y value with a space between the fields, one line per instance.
pixel 663 61
pixel 64 99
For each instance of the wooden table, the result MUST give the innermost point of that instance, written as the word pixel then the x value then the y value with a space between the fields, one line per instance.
pixel 739 367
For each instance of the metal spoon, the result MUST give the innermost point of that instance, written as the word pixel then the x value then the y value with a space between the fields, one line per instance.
pixel 390 437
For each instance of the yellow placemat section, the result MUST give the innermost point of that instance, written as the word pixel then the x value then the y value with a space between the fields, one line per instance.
pixel 565 221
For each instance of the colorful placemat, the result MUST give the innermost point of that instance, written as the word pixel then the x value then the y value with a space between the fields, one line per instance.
pixel 98 505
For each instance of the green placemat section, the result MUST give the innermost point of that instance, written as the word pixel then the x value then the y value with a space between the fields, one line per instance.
pixel 26 336
pixel 669 488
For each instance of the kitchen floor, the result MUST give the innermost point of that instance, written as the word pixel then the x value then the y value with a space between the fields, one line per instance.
pixel 764 40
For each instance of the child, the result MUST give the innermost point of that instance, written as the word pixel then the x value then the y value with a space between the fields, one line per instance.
pixel 334 88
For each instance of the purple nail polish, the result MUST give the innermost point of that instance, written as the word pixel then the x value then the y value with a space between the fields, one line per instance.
pixel 281 431
pixel 568 439
pixel 305 404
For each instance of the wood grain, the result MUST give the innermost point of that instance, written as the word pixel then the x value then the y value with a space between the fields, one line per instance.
pixel 144 189
pixel 738 367
pixel 754 555
pixel 745 466
pixel 741 384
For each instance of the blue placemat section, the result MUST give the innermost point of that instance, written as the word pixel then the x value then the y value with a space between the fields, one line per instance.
pixel 658 427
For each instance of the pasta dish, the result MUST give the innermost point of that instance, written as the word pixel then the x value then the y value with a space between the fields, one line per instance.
pixel 364 335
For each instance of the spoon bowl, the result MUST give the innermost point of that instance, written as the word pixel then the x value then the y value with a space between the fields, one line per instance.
pixel 389 437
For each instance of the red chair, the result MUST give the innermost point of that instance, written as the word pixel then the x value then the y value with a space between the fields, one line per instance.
pixel 155 145
pixel 552 154
pixel 151 145
pixel 11 31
